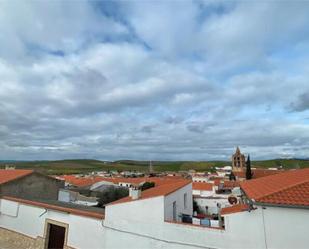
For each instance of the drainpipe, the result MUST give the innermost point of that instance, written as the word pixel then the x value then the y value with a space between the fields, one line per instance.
pixel 219 215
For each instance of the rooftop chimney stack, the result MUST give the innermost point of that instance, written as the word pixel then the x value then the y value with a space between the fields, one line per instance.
pixel 135 193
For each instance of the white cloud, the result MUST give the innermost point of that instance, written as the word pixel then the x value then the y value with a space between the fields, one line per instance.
pixel 169 81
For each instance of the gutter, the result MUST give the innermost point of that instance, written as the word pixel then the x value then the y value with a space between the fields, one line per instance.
pixel 279 205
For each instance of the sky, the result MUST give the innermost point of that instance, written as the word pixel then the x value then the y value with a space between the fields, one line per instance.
pixel 154 80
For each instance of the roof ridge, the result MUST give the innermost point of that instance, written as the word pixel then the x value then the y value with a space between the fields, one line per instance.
pixel 285 188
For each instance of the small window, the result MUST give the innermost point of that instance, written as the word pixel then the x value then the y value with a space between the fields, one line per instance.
pixel 185 200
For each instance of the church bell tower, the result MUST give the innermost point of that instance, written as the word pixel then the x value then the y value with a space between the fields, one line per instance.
pixel 238 161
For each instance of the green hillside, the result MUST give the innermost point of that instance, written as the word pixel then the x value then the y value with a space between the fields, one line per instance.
pixel 85 165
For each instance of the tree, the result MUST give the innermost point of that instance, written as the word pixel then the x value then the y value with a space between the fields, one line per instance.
pixel 195 207
pixel 232 177
pixel 248 169
pixel 111 194
pixel 147 185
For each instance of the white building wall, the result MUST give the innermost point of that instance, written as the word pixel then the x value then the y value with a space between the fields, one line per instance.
pixel 196 192
pixel 200 179
pixel 139 224
pixel 286 227
pixel 84 232
pixel 203 193
pixel 178 197
pixel 211 203
pixel 272 227
pixel 64 195
pixel 149 210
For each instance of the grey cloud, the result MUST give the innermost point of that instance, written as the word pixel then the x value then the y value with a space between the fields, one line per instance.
pixel 195 128
pixel 162 100
pixel 302 103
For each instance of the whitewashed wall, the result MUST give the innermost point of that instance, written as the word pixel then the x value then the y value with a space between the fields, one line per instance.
pixel 178 196
pixel 200 179
pixel 203 193
pixel 139 224
pixel 64 195
pixel 84 232
pixel 286 227
pixel 149 210
pixel 211 203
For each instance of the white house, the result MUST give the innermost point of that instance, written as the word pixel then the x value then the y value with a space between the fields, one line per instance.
pixel 206 198
pixel 200 178
pixel 165 202
pixel 32 224
pixel 203 189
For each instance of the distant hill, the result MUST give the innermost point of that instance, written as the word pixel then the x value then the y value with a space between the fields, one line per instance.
pixel 87 165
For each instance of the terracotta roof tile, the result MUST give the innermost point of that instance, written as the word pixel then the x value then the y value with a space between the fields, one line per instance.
pixel 257 173
pixel 202 186
pixel 12 174
pixel 81 181
pixel 217 182
pixel 162 190
pixel 87 181
pixel 288 188
pixel 234 209
pixel 231 184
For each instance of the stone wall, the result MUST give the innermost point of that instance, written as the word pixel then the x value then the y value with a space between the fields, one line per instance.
pixel 35 186
pixel 13 240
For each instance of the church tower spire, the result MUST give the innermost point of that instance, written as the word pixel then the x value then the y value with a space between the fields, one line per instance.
pixel 238 161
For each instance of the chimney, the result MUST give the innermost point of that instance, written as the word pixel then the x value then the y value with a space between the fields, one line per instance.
pixel 135 193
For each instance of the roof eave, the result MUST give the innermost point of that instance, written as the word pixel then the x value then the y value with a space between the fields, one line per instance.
pixel 279 205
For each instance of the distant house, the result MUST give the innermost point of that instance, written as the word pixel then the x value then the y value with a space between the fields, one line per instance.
pixel 203 189
pixel 28 184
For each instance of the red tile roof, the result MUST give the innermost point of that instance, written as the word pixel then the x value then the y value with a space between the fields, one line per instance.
pixel 257 173
pixel 231 184
pixel 217 182
pixel 288 188
pixel 81 181
pixel 234 209
pixel 202 186
pixel 12 174
pixel 55 207
pixel 87 181
pixel 162 190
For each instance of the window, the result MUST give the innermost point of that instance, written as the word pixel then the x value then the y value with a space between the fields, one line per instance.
pixel 185 200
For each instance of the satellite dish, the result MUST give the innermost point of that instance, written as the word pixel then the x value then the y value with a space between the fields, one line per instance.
pixel 232 199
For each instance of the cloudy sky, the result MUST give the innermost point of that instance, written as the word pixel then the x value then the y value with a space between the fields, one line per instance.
pixel 176 80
